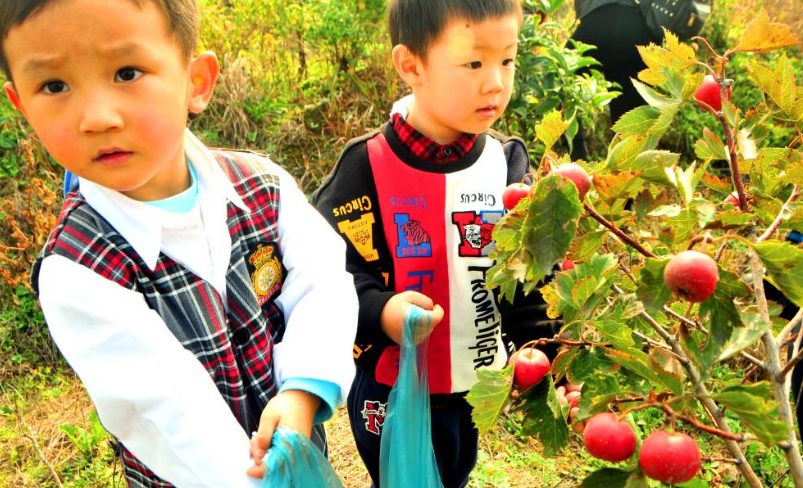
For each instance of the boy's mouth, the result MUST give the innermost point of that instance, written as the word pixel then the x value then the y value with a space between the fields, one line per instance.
pixel 112 156
pixel 487 111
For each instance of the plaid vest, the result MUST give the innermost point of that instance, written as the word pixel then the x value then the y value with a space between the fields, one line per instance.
pixel 235 347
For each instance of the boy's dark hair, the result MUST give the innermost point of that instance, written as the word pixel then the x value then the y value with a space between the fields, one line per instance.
pixel 419 23
pixel 181 16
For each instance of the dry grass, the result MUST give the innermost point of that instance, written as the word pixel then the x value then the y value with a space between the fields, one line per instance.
pixel 32 447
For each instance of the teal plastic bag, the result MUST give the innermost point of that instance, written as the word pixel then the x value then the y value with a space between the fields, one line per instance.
pixel 406 457
pixel 293 461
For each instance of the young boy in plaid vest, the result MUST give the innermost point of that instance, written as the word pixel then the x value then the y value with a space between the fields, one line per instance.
pixel 192 291
pixel 417 202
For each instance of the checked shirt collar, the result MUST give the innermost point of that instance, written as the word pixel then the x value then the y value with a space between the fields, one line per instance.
pixel 425 148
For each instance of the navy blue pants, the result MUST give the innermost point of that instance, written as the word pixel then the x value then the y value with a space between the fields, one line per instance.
pixel 454 437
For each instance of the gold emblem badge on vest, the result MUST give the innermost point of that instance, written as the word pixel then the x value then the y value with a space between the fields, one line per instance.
pixel 266 271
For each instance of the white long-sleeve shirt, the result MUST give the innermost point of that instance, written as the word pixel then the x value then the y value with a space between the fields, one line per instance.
pixel 152 394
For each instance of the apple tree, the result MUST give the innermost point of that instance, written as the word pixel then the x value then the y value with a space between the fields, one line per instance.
pixel 667 273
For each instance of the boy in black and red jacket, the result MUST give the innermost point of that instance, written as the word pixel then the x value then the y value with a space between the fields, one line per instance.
pixel 416 202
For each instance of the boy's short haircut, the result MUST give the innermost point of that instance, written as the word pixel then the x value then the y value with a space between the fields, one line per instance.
pixel 419 23
pixel 181 17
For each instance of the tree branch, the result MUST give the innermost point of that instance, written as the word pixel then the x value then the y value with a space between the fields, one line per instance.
pixel 778 382
pixel 777 222
pixel 791 364
pixel 617 231
pixel 705 398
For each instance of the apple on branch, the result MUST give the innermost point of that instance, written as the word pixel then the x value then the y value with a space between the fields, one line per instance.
pixel 513 194
pixel 670 457
pixel 530 366
pixel 709 93
pixel 692 275
pixel 577 175
pixel 609 438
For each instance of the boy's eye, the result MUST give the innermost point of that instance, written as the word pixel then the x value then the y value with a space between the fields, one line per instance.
pixel 510 62
pixel 54 87
pixel 127 74
pixel 474 65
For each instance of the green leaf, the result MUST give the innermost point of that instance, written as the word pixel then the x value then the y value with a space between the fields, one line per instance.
pixel 616 333
pixel 551 128
pixel 784 263
pixel 665 120
pixel 488 396
pixel 722 316
pixel 684 224
pixel 599 389
pixel 639 363
pixel 754 406
pixel 638 121
pixel 744 337
pixel 652 290
pixel 544 416
pixel 607 478
pixel 586 245
pixel 652 97
pixel 624 152
pixel 710 146
pixel 551 223
pixel 588 362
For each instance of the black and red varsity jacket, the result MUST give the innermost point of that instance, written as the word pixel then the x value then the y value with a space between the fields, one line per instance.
pixel 414 224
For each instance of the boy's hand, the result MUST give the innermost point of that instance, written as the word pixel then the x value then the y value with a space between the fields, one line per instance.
pixel 392 318
pixel 293 409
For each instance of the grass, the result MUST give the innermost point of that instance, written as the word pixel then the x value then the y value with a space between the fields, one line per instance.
pixel 50 437
pixel 48 431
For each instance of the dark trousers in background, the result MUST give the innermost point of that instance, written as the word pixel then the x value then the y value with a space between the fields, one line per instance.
pixel 615 30
pixel 454 437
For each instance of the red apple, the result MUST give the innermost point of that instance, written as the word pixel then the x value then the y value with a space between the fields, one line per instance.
pixel 567 264
pixel 578 175
pixel 573 399
pixel 513 193
pixel 733 199
pixel 530 367
pixel 609 438
pixel 692 275
pixel 709 93
pixel 670 457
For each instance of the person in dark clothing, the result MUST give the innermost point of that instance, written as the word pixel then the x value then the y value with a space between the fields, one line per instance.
pixel 615 27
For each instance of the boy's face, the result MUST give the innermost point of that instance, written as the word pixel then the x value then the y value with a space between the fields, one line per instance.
pixel 464 85
pixel 107 91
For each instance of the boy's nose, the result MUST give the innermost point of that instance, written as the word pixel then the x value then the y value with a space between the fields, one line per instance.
pixel 99 116
pixel 493 82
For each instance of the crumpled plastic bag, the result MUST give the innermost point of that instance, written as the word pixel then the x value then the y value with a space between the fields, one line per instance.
pixel 406 456
pixel 293 461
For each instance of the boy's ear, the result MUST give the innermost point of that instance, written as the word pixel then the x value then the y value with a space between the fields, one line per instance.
pixel 13 96
pixel 407 64
pixel 204 70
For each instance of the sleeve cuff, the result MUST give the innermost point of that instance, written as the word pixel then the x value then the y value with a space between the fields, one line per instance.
pixel 328 392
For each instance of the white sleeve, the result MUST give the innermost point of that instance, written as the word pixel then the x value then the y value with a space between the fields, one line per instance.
pixel 318 297
pixel 150 393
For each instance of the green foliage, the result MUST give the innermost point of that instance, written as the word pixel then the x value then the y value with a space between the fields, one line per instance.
pixel 552 75
pixel 490 397
pixel 626 338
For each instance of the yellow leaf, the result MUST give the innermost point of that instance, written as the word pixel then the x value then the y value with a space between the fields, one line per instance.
pixel 722 185
pixel 623 184
pixel 675 55
pixel 550 129
pixel 761 35
pixel 683 53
